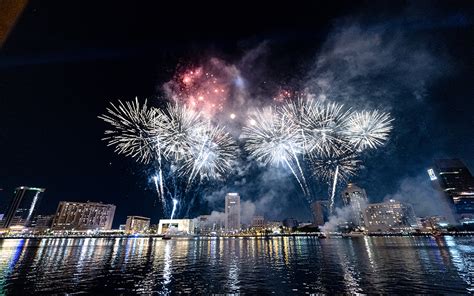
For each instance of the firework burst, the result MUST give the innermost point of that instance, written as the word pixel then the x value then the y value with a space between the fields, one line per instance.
pixel 212 155
pixel 342 158
pixel 368 129
pixel 272 138
pixel 134 130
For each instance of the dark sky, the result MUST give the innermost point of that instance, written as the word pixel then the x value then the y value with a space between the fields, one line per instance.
pixel 64 61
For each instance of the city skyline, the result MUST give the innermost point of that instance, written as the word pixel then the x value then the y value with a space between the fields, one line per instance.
pixel 79 163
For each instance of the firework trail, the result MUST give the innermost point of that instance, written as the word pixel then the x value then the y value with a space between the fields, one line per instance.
pixel 175 204
pixel 333 191
pixel 271 139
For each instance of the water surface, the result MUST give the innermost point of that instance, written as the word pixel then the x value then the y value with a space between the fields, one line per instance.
pixel 281 266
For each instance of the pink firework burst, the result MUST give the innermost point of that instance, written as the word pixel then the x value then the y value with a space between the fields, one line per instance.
pixel 205 88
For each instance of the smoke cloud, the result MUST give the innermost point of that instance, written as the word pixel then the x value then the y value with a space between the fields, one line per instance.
pixel 426 201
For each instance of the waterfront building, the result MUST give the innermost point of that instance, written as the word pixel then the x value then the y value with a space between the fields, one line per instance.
pixel 390 216
pixel 176 226
pixel 453 178
pixel 23 207
pixel 137 224
pixel 356 199
pixel 258 221
pixel 290 222
pixel 42 223
pixel 207 224
pixel 232 212
pixel 83 216
pixel 320 211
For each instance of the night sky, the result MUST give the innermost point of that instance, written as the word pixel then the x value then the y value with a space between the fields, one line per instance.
pixel 66 60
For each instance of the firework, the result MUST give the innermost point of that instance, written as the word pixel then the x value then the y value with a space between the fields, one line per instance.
pixel 323 126
pixel 213 154
pixel 205 88
pixel 134 130
pixel 180 124
pixel 175 204
pixel 341 157
pixel 272 138
pixel 336 165
pixel 368 129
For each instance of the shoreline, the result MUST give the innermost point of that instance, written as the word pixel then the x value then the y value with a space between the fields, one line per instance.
pixel 338 235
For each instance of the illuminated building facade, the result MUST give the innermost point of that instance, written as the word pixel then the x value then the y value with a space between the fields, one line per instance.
pixel 455 180
pixel 208 224
pixel 355 198
pixel 176 226
pixel 137 224
pixel 42 222
pixel 258 221
pixel 320 212
pixel 232 212
pixel 389 216
pixel 83 216
pixel 23 207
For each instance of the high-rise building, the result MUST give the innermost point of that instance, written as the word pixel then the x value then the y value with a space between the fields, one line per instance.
pixel 232 212
pixel 137 224
pixel 83 216
pixel 320 211
pixel 23 207
pixel 454 179
pixel 389 216
pixel 355 198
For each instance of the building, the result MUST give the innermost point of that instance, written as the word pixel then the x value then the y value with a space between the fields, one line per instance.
pixel 208 224
pixel 23 207
pixel 320 211
pixel 258 221
pixel 355 198
pixel 390 216
pixel 290 223
pixel 455 180
pixel 83 216
pixel 176 226
pixel 232 212
pixel 42 223
pixel 137 224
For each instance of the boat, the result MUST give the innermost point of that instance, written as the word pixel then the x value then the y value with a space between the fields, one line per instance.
pixel 322 235
pixel 166 237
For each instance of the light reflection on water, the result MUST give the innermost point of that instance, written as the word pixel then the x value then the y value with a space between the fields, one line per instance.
pixel 230 265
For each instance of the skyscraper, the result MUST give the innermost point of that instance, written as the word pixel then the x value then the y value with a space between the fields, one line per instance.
pixel 455 180
pixel 232 212
pixel 23 207
pixel 320 211
pixel 355 198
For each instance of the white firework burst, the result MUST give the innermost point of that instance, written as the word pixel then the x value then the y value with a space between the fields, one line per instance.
pixel 341 158
pixel 179 128
pixel 134 130
pixel 368 129
pixel 270 138
pixel 212 155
